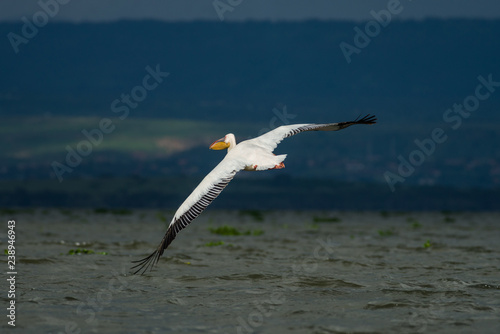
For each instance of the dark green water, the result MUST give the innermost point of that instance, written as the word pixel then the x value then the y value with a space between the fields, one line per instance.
pixel 297 272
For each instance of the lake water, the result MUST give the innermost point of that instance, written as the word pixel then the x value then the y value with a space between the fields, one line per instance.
pixel 289 272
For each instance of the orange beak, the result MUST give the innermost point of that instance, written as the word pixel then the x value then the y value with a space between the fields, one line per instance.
pixel 219 144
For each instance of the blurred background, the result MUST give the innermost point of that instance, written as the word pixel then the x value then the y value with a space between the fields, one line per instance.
pixel 114 104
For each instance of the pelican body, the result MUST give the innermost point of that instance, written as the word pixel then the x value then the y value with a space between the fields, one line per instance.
pixel 250 155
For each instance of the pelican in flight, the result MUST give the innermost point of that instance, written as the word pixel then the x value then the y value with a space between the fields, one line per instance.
pixel 251 155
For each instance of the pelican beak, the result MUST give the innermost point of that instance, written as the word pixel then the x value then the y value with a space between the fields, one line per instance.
pixel 219 144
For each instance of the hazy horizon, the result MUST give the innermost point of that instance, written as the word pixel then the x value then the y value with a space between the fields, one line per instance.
pixel 292 10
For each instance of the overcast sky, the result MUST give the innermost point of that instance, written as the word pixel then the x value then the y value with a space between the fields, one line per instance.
pixel 175 10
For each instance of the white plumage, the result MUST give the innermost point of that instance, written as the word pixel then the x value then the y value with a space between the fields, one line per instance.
pixel 252 155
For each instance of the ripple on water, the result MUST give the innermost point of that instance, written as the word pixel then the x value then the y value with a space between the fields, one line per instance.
pixel 484 286
pixel 326 282
pixel 386 305
pixel 38 261
pixel 419 292
pixel 348 263
pixel 246 277
pixel 475 249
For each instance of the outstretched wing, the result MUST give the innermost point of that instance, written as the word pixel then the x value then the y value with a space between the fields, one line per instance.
pixel 271 139
pixel 201 197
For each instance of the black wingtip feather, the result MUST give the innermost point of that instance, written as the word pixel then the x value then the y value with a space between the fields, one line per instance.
pixel 150 261
pixel 181 222
pixel 368 119
pixel 144 264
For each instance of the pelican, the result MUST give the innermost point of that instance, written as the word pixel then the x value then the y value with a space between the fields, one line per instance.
pixel 251 155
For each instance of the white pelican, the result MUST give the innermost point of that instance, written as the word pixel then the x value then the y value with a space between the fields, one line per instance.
pixel 251 155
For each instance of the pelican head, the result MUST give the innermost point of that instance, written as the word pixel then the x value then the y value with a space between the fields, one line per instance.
pixel 228 141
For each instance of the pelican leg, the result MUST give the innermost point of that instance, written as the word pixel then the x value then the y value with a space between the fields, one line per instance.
pixel 280 166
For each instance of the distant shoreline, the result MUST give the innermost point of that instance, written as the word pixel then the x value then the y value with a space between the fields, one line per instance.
pixel 243 194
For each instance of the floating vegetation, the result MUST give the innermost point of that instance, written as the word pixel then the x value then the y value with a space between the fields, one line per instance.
pixel 257 215
pixel 121 211
pixel 66 212
pixel 449 219
pixel 414 223
pixel 80 251
pixel 113 211
pixel 256 232
pixel 8 211
pixel 427 244
pixel 314 226
pixel 214 243
pixel 385 214
pixel 386 233
pixel 229 230
pixel 317 219
pixel 161 217
pixel 224 230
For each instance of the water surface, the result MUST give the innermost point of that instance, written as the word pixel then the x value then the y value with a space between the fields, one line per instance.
pixel 295 272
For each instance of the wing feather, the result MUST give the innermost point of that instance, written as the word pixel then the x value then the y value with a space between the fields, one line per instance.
pixel 201 197
pixel 271 139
